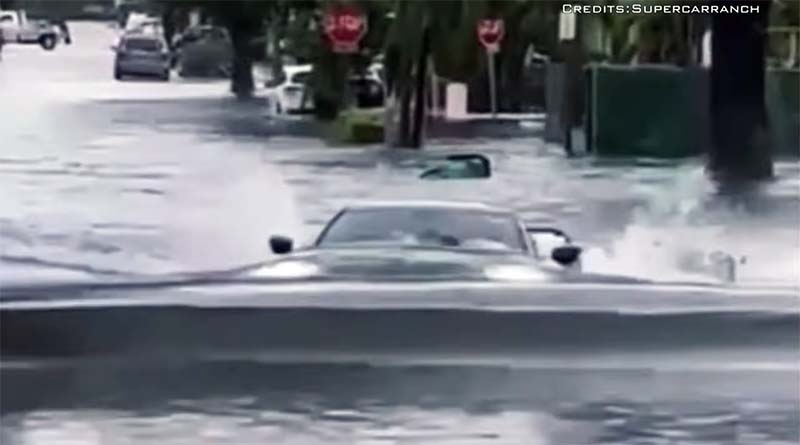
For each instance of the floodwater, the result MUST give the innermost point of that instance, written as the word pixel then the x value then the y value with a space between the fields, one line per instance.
pixel 103 180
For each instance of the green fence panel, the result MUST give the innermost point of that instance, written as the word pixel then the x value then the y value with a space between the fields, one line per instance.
pixel 646 111
pixel 663 112
pixel 783 109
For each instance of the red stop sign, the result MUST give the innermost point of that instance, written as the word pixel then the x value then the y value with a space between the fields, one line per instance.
pixel 344 25
pixel 490 33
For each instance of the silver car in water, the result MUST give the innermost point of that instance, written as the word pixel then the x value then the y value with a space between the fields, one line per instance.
pixel 142 55
pixel 428 241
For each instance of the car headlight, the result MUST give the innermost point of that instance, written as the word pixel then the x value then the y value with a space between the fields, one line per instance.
pixel 288 269
pixel 514 272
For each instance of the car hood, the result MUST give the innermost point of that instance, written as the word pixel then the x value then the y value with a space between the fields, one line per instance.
pixel 407 263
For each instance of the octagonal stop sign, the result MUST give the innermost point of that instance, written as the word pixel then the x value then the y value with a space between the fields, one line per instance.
pixel 345 26
pixel 490 33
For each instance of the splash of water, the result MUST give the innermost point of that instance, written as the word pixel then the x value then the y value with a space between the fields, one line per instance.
pixel 228 211
pixel 678 235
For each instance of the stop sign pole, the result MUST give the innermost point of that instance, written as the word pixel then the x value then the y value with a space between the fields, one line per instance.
pixel 490 34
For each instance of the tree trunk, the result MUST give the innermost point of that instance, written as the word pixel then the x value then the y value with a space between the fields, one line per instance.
pixel 403 138
pixel 574 91
pixel 740 148
pixel 168 22
pixel 419 93
pixel 242 75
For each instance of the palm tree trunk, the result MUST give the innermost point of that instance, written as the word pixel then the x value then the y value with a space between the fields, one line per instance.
pixel 242 76
pixel 740 145
pixel 419 93
pixel 404 130
pixel 168 22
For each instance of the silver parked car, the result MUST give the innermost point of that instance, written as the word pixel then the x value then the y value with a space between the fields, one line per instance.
pixel 139 54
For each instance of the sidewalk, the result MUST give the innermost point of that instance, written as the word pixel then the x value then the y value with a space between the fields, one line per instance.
pixel 500 117
pixel 483 125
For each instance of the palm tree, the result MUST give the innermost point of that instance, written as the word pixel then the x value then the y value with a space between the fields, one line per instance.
pixel 403 53
pixel 740 148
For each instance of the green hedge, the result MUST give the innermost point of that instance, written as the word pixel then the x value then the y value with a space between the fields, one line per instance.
pixel 357 126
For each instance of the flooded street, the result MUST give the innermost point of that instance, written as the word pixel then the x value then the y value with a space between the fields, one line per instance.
pixel 147 177
pixel 104 179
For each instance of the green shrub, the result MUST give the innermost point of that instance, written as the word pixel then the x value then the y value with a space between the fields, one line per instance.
pixel 355 126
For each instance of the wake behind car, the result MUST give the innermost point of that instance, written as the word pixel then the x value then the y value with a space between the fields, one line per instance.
pixel 142 55
pixel 424 240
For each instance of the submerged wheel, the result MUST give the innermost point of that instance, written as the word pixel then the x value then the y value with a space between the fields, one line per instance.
pixel 47 42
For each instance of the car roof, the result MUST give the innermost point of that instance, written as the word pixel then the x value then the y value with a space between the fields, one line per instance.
pixel 432 204
pixel 294 69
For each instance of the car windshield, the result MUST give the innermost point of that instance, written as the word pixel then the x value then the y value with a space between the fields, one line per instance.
pixel 471 229
pixel 301 78
pixel 149 45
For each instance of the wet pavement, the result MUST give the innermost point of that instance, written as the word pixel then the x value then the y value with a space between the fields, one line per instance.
pixel 103 178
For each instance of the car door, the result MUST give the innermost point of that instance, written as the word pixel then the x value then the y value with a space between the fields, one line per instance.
pixel 32 30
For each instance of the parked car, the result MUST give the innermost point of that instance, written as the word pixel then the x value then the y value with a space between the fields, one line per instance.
pixel 203 51
pixel 290 92
pixel 139 23
pixel 367 91
pixel 141 55
pixel 16 27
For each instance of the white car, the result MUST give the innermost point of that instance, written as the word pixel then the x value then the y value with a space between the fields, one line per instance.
pixel 16 27
pixel 290 93
pixel 143 24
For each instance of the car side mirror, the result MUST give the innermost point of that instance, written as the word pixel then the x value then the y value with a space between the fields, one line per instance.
pixel 280 244
pixel 566 255
pixel 546 239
